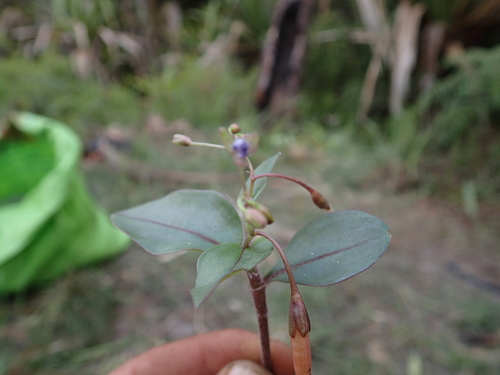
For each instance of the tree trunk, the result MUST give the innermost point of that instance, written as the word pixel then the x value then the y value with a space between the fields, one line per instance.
pixel 283 57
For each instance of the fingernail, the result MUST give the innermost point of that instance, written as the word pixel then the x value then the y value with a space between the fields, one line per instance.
pixel 243 368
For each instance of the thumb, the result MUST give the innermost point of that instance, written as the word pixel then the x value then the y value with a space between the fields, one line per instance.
pixel 243 367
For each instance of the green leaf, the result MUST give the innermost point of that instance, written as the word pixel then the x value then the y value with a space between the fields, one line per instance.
pixel 222 261
pixel 264 167
pixel 259 249
pixel 226 139
pixel 333 248
pixel 213 265
pixel 183 220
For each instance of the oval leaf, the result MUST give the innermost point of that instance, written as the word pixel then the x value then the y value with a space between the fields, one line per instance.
pixel 183 220
pixel 265 167
pixel 222 261
pixel 213 265
pixel 333 248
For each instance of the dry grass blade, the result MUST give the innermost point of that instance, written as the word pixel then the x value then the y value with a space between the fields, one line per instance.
pixel 42 39
pixel 432 42
pixel 404 53
pixel 371 76
pixel 373 14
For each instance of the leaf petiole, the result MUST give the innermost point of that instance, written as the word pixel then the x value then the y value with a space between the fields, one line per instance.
pixel 299 325
pixel 317 198
pixel 281 252
pixel 252 181
pixel 242 180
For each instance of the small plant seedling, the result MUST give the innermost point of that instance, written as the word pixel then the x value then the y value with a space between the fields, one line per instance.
pixel 230 238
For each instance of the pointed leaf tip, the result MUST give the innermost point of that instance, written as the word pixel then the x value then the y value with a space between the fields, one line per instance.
pixel 222 261
pixel 265 167
pixel 213 265
pixel 333 248
pixel 183 220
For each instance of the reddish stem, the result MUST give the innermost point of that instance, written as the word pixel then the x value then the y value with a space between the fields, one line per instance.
pixel 277 175
pixel 317 198
pixel 288 268
pixel 259 300
pixel 299 325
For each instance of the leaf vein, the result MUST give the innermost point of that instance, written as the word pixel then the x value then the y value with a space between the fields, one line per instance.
pixel 297 265
pixel 206 238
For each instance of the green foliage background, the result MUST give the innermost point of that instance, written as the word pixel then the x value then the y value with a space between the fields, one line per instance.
pixel 445 145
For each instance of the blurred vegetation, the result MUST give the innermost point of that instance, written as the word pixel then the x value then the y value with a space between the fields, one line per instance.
pixel 462 113
pixel 119 62
pixel 328 97
pixel 94 63
pixel 49 87
pixel 206 95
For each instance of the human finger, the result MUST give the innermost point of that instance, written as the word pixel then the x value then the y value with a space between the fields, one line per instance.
pixel 206 355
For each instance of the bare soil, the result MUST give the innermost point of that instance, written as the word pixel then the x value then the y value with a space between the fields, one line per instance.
pixel 429 306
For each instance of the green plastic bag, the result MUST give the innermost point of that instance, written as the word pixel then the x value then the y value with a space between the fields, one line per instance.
pixel 48 222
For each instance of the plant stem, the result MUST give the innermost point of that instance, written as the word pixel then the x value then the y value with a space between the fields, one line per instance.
pixel 293 285
pixel 317 198
pixel 243 180
pixel 299 325
pixel 259 300
pixel 205 144
pixel 252 181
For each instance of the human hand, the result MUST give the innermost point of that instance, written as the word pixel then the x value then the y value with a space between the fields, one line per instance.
pixel 206 355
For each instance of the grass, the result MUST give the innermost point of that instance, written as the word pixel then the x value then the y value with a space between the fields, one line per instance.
pixel 208 95
pixel 404 314
pixel 48 87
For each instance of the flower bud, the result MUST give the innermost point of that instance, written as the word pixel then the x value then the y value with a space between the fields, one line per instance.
pixel 266 212
pixel 255 218
pixel 250 203
pixel 320 201
pixel 234 129
pixel 181 140
pixel 298 318
pixel 299 327
pixel 301 354
pixel 240 148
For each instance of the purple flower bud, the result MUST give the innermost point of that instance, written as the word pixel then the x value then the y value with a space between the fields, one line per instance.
pixel 241 147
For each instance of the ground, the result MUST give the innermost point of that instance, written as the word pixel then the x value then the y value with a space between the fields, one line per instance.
pixel 429 306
